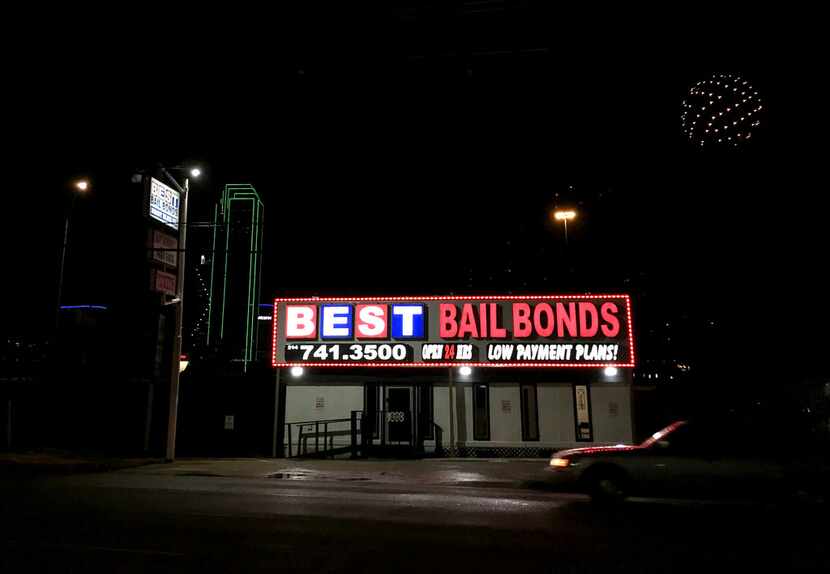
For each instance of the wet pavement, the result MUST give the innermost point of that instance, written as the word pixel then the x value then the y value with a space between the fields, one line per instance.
pixel 381 516
pixel 470 472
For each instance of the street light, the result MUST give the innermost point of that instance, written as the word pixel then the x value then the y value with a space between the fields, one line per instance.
pixel 564 215
pixel 82 186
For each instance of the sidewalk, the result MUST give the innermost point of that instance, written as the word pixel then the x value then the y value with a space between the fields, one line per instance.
pixel 463 471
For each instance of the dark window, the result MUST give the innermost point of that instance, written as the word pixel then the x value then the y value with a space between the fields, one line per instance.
pixel 481 412
pixel 426 411
pixel 530 413
pixel 371 401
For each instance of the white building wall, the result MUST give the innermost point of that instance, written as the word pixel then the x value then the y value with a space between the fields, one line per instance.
pixel 611 414
pixel 556 415
pixel 338 402
pixel 610 410
pixel 321 402
pixel 556 419
pixel 505 413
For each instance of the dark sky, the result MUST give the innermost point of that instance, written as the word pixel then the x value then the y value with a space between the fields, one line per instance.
pixel 401 151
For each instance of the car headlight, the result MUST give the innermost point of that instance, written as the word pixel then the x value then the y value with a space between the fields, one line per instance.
pixel 560 462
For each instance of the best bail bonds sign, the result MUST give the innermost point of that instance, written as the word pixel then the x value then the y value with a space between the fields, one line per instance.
pixel 488 331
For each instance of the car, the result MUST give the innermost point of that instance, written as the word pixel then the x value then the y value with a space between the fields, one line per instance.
pixel 687 458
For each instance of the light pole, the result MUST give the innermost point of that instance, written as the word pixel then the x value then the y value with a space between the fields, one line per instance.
pixel 564 215
pixel 175 357
pixel 80 186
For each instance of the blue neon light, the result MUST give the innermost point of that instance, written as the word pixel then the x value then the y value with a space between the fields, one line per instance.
pixel 97 307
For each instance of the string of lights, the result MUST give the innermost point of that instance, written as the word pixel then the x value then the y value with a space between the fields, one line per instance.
pixel 721 111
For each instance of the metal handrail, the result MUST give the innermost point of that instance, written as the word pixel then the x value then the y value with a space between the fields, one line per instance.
pixel 303 436
pixel 374 424
pixel 320 421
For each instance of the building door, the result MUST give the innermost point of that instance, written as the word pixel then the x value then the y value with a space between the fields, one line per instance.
pixel 399 414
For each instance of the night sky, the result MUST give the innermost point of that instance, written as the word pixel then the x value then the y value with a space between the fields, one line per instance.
pixel 421 151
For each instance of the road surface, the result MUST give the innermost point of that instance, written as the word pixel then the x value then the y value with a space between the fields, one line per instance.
pixel 187 521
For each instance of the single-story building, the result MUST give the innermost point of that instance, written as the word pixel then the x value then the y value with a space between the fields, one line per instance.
pixel 474 376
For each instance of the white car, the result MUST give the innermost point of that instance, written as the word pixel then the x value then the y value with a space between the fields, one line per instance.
pixel 687 459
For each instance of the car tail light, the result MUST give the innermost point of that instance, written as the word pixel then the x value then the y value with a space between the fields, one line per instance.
pixel 560 462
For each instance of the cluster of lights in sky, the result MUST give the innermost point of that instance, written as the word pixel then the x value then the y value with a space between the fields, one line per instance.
pixel 721 111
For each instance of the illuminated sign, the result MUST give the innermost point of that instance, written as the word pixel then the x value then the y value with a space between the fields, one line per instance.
pixel 162 282
pixel 486 331
pixel 164 203
pixel 582 409
pixel 163 247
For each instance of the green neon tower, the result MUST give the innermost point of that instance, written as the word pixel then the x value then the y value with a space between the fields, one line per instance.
pixel 235 274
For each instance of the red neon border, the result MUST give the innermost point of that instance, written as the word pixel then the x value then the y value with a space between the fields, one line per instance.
pixel 630 364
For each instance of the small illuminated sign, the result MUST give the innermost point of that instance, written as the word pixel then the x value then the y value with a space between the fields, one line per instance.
pixel 164 203
pixel 164 247
pixel 162 282
pixel 582 407
pixel 486 331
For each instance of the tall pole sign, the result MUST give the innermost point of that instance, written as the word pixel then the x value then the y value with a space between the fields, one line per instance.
pixel 166 209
